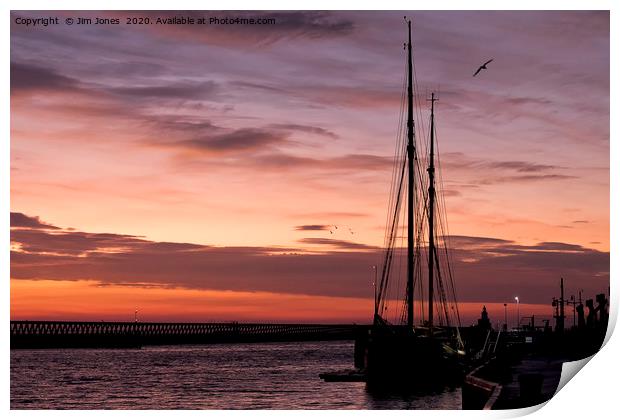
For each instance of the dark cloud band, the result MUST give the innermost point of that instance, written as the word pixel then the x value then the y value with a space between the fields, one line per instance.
pixel 482 265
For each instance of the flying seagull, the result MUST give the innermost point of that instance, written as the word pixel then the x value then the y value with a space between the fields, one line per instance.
pixel 482 67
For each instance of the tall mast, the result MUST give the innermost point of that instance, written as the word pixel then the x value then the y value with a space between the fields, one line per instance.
pixel 411 185
pixel 431 215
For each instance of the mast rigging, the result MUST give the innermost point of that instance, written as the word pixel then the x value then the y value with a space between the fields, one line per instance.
pixel 411 185
pixel 431 215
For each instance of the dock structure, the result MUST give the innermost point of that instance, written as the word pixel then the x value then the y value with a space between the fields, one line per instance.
pixel 532 381
pixel 526 367
pixel 59 334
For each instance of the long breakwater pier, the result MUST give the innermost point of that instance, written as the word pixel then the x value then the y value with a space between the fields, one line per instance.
pixel 67 334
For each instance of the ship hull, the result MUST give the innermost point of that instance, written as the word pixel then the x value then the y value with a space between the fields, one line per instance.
pixel 402 359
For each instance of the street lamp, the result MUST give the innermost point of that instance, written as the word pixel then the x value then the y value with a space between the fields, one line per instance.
pixel 505 317
pixel 518 318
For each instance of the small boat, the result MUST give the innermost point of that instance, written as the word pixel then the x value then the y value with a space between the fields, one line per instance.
pixel 352 375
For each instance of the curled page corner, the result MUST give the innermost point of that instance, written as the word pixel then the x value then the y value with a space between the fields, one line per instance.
pixel 569 370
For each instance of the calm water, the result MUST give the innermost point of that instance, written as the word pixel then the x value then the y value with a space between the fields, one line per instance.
pixel 222 376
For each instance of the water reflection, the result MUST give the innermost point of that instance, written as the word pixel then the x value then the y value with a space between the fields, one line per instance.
pixel 222 376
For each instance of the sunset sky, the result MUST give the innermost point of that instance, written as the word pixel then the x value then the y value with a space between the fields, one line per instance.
pixel 195 171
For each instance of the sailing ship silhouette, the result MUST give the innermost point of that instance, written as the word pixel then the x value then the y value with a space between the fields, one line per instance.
pixel 406 353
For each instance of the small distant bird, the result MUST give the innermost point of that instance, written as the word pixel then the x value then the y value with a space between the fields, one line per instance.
pixel 482 67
